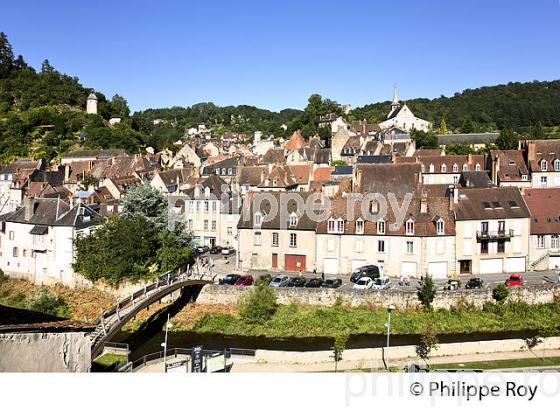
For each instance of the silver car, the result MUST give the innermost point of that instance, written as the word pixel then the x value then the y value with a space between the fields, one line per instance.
pixel 280 281
pixel 382 282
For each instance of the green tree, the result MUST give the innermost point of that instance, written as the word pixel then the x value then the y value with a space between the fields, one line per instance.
pixel 6 56
pixel 338 348
pixel 442 127
pixel 428 343
pixel 461 148
pixel 424 139
pixel 507 139
pixel 119 106
pixel 46 302
pixel 427 292
pixel 258 305
pixel 468 126
pixel 146 201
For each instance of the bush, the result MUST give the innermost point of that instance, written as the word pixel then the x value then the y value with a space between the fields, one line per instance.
pixel 427 292
pixel 263 280
pixel 46 302
pixel 3 277
pixel 500 293
pixel 258 305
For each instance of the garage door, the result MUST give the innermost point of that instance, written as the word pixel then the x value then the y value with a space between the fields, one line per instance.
pixel 358 263
pixel 553 262
pixel 491 266
pixel 408 268
pixel 294 262
pixel 437 270
pixel 330 266
pixel 515 264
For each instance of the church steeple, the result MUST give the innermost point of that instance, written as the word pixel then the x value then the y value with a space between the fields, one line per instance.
pixel 395 98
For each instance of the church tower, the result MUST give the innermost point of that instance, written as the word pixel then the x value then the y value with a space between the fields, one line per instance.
pixel 395 103
pixel 91 105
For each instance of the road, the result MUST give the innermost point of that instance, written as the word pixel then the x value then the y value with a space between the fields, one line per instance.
pixel 224 265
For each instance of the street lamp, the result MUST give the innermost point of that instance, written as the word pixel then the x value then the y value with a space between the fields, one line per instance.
pixel 390 308
pixel 164 344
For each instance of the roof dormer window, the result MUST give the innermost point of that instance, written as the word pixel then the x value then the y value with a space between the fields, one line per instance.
pixel 293 220
pixel 440 227
pixel 455 168
pixel 335 226
pixel 409 227
pixel 465 167
pixel 381 227
pixel 544 165
pixel 557 164
pixel 443 168
pixel 359 226
pixel 431 168
pixel 477 167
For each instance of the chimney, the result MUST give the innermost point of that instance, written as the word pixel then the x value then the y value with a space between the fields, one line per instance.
pixel 455 195
pixel 29 208
pixel 469 159
pixel 66 173
pixel 423 205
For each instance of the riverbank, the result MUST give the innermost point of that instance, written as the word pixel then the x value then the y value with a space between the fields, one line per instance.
pixel 301 321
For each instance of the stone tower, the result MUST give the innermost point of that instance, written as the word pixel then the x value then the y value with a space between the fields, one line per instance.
pixel 91 105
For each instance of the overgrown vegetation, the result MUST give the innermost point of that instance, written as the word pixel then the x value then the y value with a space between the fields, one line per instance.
pixel 258 305
pixel 41 300
pixel 500 293
pixel 338 348
pixel 427 292
pixel 428 343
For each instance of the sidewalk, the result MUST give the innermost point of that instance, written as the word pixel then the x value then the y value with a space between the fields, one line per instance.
pixel 378 365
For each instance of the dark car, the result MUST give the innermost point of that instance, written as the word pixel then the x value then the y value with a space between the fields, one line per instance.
pixel 474 283
pixel 200 250
pixel 228 250
pixel 332 283
pixel 229 279
pixel 314 283
pixel 245 280
pixel 371 271
pixel 296 282
pixel 215 249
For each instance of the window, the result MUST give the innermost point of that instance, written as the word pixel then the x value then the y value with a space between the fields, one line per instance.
pixel 274 182
pixel 455 168
pixel 410 247
pixel 330 245
pixel 557 165
pixel 484 227
pixel 555 241
pixel 15 252
pixel 544 165
pixel 381 246
pixel 501 227
pixel 206 224
pixel 443 168
pixel 198 206
pixel 335 226
pixel 258 239
pixel 440 227
pixel 484 247
pixel 455 179
pixel 258 219
pixel 214 206
pixel 477 167
pixel 293 240
pixel 206 206
pixel 11 235
pixel 190 224
pixel 275 239
pixel 213 225
pixel 230 171
pixel 293 220
pixel 190 207
pixel 544 181
pixel 24 253
pixel 381 227
pixel 540 241
pixel 465 167
pixel 524 177
pixel 359 245
pixel 409 227
pixel 359 226
pixel 431 168
pixel 501 246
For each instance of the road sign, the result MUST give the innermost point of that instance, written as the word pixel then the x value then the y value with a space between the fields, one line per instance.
pixel 196 359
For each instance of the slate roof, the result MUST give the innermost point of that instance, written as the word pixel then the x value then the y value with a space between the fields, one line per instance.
pixel 490 203
pixel 342 170
pixel 375 159
pixel 97 153
pixel 474 138
pixel 545 212
pixel 475 179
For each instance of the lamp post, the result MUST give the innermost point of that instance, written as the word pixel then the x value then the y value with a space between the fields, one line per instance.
pixel 164 344
pixel 390 308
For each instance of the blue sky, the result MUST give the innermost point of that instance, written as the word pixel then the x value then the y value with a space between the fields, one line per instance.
pixel 274 54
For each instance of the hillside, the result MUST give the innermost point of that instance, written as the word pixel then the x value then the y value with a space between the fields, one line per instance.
pixel 515 105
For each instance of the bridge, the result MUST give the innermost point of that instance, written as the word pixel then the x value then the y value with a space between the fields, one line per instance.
pixel 113 319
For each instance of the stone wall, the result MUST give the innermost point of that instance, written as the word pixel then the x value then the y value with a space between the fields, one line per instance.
pixel 220 294
pixel 45 352
pixel 372 357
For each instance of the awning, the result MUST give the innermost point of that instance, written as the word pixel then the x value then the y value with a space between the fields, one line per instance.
pixel 39 230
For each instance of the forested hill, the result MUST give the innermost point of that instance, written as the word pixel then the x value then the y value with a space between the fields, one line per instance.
pixel 512 105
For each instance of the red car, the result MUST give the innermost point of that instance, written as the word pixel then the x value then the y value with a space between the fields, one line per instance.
pixel 515 280
pixel 245 280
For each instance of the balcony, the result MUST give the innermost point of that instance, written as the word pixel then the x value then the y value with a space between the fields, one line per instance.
pixel 494 235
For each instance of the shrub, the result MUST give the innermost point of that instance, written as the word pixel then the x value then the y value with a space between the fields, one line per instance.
pixel 46 302
pixel 500 293
pixel 263 280
pixel 427 292
pixel 338 348
pixel 428 342
pixel 258 305
pixel 3 277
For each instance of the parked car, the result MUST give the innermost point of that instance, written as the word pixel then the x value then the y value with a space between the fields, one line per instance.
pixel 215 249
pixel 201 249
pixel 296 282
pixel 370 271
pixel 228 250
pixel 245 280
pixel 515 279
pixel 230 279
pixel 280 281
pixel 314 283
pixel 452 284
pixel 364 283
pixel 332 283
pixel 474 283
pixel 382 282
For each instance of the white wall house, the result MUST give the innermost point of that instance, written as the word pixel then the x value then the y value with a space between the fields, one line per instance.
pixel 37 240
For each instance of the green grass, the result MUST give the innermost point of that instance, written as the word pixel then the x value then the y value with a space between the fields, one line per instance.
pixel 110 359
pixel 502 364
pixel 316 321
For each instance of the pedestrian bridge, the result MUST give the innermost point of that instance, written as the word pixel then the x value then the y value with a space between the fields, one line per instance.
pixel 112 320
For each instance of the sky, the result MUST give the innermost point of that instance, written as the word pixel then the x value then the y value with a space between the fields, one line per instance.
pixel 274 54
